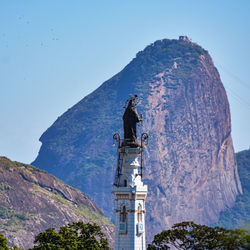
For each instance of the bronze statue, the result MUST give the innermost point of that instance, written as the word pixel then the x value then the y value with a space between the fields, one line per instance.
pixel 130 118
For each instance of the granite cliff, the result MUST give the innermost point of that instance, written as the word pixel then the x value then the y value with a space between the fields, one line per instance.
pixel 31 201
pixel 190 165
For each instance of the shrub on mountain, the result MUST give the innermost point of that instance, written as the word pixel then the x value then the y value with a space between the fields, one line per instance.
pixel 3 242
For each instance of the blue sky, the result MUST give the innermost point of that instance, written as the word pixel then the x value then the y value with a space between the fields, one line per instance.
pixel 53 53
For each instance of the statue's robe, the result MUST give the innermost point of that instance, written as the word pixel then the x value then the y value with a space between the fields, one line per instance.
pixel 130 118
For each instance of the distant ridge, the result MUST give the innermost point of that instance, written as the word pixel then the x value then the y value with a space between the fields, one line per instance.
pixel 239 215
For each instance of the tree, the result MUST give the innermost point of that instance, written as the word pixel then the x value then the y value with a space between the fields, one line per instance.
pixel 188 235
pixel 3 242
pixel 74 236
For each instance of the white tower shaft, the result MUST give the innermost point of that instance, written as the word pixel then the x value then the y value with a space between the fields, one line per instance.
pixel 130 195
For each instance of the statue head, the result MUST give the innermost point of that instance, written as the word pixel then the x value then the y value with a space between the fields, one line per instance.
pixel 132 101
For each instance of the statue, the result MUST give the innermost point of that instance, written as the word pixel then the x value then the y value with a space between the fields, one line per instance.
pixel 130 118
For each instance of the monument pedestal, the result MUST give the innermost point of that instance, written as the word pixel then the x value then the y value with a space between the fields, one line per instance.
pixel 130 195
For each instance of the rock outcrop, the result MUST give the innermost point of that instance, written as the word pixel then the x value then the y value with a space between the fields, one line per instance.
pixel 31 201
pixel 190 165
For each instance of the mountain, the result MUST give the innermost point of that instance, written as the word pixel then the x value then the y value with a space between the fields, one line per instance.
pixel 32 201
pixel 190 165
pixel 239 215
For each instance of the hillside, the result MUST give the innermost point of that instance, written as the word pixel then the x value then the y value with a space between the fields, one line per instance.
pixel 190 165
pixel 31 200
pixel 239 215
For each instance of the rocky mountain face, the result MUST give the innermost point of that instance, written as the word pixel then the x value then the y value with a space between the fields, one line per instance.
pixel 190 165
pixel 31 201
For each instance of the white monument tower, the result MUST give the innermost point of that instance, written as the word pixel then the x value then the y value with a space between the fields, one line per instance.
pixel 128 189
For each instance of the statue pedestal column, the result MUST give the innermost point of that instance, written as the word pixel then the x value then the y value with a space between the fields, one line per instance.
pixel 130 195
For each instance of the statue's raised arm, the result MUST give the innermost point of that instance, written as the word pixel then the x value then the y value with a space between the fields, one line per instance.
pixel 130 118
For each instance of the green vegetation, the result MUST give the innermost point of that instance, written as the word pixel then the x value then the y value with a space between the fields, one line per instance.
pixel 163 53
pixel 239 215
pixel 12 220
pixel 91 215
pixel 25 168
pixel 158 57
pixel 59 198
pixel 3 242
pixel 188 235
pixel 7 163
pixel 4 186
pixel 73 236
pixel 80 209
